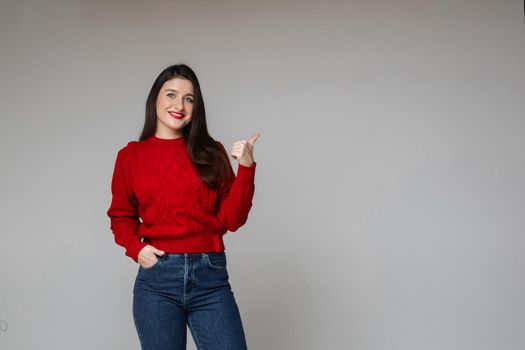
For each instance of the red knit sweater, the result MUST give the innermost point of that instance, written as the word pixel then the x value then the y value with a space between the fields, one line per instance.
pixel 158 195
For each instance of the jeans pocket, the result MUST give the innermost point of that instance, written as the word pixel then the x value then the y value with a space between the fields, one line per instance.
pixel 216 260
pixel 152 267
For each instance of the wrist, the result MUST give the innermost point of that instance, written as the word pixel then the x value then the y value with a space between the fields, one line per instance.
pixel 249 165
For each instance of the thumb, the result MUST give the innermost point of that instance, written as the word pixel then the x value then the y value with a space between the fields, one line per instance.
pixel 158 251
pixel 254 138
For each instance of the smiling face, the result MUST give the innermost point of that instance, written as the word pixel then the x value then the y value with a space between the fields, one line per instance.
pixel 174 107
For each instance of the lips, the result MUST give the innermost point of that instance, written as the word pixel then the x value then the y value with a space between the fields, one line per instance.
pixel 176 115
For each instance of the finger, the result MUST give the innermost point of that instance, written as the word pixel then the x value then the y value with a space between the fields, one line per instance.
pixel 240 142
pixel 254 138
pixel 233 153
pixel 236 154
pixel 238 148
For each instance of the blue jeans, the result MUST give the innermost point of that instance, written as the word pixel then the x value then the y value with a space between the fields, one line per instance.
pixel 192 289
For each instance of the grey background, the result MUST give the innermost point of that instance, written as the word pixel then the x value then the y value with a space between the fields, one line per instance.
pixel 389 188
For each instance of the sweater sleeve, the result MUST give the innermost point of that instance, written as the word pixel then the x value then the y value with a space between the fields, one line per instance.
pixel 123 210
pixel 235 199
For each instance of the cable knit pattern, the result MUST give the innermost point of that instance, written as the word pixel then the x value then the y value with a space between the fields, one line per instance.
pixel 157 194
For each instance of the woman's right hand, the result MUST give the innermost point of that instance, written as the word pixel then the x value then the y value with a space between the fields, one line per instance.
pixel 147 257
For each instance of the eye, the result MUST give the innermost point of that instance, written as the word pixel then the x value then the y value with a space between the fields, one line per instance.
pixel 171 94
pixel 189 99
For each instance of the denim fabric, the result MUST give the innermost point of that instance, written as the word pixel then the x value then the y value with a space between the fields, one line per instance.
pixel 192 289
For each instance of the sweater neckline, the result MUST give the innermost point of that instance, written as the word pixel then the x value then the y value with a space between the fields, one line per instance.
pixel 175 141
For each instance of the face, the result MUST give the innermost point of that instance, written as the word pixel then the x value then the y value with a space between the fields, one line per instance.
pixel 174 107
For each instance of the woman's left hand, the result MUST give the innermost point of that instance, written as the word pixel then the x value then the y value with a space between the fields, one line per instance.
pixel 243 150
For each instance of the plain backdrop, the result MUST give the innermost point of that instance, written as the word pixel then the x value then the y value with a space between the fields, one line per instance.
pixel 389 201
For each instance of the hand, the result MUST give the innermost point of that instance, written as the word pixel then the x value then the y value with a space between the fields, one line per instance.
pixel 243 150
pixel 147 257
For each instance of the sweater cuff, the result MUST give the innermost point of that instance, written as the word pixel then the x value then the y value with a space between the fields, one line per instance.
pixel 246 173
pixel 134 249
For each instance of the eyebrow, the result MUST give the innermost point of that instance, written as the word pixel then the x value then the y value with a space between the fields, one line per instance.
pixel 177 91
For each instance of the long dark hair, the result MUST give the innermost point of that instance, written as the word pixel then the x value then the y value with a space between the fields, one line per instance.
pixel 208 156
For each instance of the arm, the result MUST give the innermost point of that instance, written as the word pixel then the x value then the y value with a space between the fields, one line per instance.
pixel 123 210
pixel 235 198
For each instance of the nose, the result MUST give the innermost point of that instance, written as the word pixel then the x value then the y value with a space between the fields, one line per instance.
pixel 179 105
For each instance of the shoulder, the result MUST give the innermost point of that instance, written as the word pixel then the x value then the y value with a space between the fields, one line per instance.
pixel 219 143
pixel 221 148
pixel 127 149
pixel 132 145
pixel 129 146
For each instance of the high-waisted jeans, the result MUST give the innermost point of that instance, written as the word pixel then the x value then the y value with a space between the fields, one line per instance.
pixel 192 289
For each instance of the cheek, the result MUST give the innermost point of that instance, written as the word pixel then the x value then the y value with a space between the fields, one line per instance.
pixel 159 104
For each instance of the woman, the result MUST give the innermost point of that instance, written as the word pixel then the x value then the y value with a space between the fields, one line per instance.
pixel 180 183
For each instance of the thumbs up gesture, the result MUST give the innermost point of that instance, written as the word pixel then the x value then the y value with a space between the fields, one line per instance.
pixel 243 150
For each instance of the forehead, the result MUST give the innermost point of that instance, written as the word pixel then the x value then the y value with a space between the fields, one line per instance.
pixel 183 86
